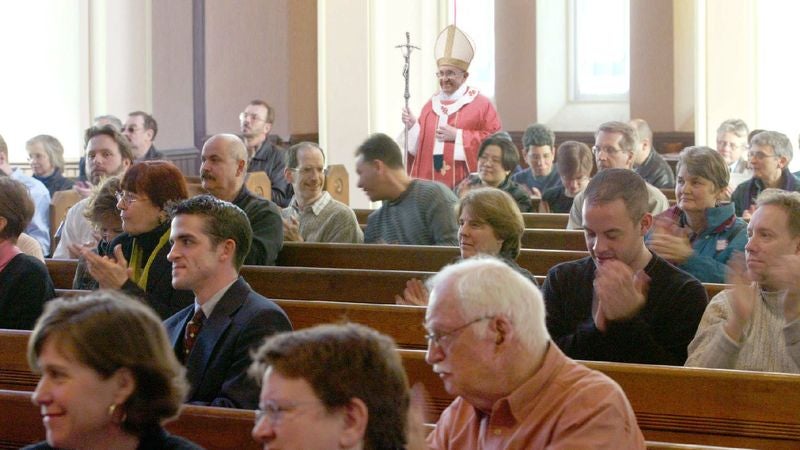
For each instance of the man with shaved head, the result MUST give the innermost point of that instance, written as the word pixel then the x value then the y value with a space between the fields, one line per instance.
pixel 646 160
pixel 222 173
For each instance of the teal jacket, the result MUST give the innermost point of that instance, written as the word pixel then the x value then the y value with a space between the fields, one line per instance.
pixel 713 247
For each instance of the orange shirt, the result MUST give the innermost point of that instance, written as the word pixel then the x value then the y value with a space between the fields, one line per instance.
pixel 565 405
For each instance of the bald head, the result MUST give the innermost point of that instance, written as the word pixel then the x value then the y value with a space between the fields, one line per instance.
pixel 223 166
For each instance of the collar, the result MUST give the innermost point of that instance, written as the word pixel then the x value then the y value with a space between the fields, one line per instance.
pixel 208 306
pixel 402 196
pixel 718 219
pixel 56 172
pixel 8 251
pixel 148 241
pixel 514 407
pixel 455 95
pixel 315 207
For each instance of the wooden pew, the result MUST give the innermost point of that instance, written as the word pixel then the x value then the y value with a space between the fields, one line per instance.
pixel 298 283
pixel 404 257
pixel 672 404
pixel 683 405
pixel 322 284
pixel 211 428
pixel 532 220
pixel 551 239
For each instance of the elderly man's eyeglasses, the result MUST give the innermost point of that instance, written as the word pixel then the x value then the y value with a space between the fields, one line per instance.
pixel 252 116
pixel 759 155
pixel 126 198
pixel 274 412
pixel 449 74
pixel 610 151
pixel 440 339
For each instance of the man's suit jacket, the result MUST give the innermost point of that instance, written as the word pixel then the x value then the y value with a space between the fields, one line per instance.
pixel 217 366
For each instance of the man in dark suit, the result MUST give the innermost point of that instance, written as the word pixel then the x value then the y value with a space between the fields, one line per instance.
pixel 210 239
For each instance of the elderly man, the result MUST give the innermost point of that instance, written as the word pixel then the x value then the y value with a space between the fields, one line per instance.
pixel 443 144
pixel 755 325
pixel 313 215
pixel 223 167
pixel 769 157
pixel 343 385
pixel 141 130
pixel 39 226
pixel 539 144
pixel 515 389
pixel 647 162
pixel 732 145
pixel 615 147
pixel 228 320
pixel 414 212
pixel 108 153
pixel 622 303
pixel 256 122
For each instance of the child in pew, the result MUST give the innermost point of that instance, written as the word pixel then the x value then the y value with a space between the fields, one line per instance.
pixel 332 386
pixel 102 213
pixel 109 377
pixel 574 164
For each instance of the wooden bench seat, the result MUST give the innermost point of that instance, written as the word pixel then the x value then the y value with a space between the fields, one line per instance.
pixel 532 220
pixel 209 427
pixel 672 404
pixel 303 283
pixel 404 257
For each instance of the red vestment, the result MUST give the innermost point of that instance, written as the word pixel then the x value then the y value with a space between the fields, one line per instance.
pixel 475 118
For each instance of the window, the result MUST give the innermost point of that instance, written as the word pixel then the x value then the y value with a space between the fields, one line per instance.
pixel 476 18
pixel 599 50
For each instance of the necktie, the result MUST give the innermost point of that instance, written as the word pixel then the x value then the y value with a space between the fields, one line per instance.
pixel 192 330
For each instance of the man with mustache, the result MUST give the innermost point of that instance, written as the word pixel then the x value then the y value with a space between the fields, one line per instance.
pixel 755 325
pixel 108 153
pixel 443 144
pixel 313 215
pixel 222 173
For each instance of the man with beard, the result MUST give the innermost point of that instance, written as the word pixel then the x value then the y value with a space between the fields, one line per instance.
pixel 256 122
pixel 108 153
pixel 222 172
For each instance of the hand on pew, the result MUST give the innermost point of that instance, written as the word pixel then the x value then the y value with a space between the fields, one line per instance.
pixel 109 273
pixel 415 294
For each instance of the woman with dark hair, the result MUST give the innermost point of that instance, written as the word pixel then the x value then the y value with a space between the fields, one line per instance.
pixel 497 158
pixel 701 232
pixel 489 224
pixel 25 284
pixel 109 376
pixel 139 264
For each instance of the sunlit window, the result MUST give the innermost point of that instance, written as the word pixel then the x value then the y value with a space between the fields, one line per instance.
pixel 476 18
pixel 600 50
pixel 40 83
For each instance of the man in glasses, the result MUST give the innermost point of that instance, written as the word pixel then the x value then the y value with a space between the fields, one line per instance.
pixel 769 157
pixel 141 130
pixel 443 144
pixel 256 122
pixel 488 343
pixel 108 153
pixel 615 148
pixel 313 215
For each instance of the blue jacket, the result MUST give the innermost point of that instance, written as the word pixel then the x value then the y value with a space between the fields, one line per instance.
pixel 714 246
